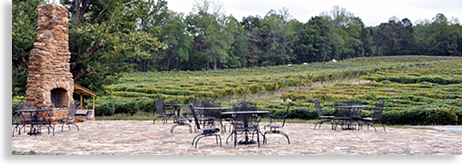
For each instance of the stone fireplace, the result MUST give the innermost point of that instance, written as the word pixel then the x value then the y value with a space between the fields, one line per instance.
pixel 49 80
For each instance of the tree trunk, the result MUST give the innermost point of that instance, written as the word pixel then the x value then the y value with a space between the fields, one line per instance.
pixel 80 8
pixel 168 63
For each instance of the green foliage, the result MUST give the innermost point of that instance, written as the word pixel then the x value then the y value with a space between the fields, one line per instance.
pixel 106 109
pixel 132 107
pixel 420 116
pixel 24 34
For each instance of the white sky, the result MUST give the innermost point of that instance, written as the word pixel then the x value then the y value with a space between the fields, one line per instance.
pixel 371 12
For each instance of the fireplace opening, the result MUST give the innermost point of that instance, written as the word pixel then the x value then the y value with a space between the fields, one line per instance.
pixel 59 97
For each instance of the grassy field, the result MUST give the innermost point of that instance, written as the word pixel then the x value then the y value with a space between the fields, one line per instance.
pixel 405 82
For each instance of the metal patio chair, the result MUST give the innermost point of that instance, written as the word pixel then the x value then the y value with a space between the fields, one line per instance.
pixel 205 132
pixel 69 120
pixel 274 127
pixel 376 116
pixel 321 116
pixel 160 107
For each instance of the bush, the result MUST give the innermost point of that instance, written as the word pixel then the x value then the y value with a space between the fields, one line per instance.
pixel 120 108
pixel 420 116
pixel 132 107
pixel 302 113
pixel 106 109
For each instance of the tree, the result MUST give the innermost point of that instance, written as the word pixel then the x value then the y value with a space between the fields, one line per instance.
pixel 101 35
pixel 252 33
pixel 24 34
pixel 277 34
pixel 312 42
pixel 239 49
pixel 389 37
pixel 212 32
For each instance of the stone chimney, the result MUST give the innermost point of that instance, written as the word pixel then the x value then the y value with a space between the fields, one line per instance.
pixel 49 80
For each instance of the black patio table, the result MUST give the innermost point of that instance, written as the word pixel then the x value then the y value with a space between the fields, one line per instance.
pixel 177 107
pixel 34 115
pixel 246 141
pixel 210 108
pixel 348 114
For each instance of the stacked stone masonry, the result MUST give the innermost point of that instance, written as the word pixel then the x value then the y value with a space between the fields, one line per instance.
pixel 49 68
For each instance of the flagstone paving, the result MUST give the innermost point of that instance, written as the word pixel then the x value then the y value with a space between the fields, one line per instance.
pixel 145 138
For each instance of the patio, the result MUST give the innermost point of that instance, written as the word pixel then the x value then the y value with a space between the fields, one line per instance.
pixel 145 138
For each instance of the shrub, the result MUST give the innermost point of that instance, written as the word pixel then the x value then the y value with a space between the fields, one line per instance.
pixel 420 116
pixel 302 113
pixel 120 108
pixel 106 109
pixel 132 107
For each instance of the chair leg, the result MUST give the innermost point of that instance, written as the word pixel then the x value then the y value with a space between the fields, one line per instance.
pixel 232 132
pixel 198 140
pixel 76 126
pixel 216 138
pixel 275 132
pixel 173 127
pixel 194 140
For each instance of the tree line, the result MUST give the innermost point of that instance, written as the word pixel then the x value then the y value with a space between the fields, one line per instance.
pixel 107 38
pixel 217 41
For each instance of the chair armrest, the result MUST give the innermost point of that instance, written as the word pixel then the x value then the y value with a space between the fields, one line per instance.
pixel 271 117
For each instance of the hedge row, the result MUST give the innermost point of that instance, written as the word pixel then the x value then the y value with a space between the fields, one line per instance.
pixel 109 109
pixel 413 116
pixel 413 80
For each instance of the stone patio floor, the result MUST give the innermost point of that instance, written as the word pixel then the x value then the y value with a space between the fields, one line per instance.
pixel 145 138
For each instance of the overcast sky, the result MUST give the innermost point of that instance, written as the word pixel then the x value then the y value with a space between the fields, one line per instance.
pixel 371 12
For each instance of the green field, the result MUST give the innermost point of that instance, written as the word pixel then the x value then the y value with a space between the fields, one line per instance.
pixel 417 89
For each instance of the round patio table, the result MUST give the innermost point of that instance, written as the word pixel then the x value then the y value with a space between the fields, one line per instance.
pixel 348 114
pixel 246 141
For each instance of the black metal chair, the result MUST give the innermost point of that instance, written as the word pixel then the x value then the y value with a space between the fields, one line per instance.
pixel 181 122
pixel 43 119
pixel 209 131
pixel 161 111
pixel 376 116
pixel 208 118
pixel 245 123
pixel 274 128
pixel 69 120
pixel 16 121
pixel 321 116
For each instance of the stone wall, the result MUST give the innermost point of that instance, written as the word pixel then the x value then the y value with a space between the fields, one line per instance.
pixel 49 67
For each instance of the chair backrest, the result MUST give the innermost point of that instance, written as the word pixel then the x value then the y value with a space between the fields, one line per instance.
pixel 26 106
pixel 160 106
pixel 239 119
pixel 354 102
pixel 378 109
pixel 286 115
pixel 20 105
pixel 191 106
pixel 318 106
pixel 341 102
pixel 72 110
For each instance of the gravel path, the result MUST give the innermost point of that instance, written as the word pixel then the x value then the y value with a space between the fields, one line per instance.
pixel 145 138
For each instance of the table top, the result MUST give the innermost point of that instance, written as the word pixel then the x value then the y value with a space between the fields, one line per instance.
pixel 33 110
pixel 349 106
pixel 211 108
pixel 176 105
pixel 245 112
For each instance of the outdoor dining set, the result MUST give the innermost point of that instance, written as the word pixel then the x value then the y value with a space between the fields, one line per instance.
pixel 40 118
pixel 241 119
pixel 211 119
